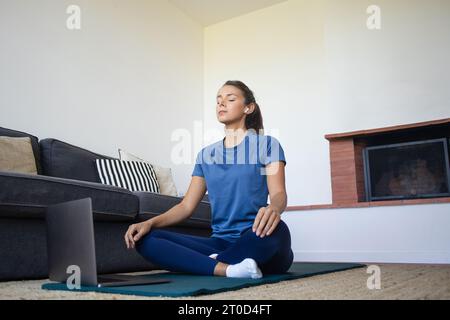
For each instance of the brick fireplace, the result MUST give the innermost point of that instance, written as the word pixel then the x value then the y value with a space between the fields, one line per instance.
pixel 349 160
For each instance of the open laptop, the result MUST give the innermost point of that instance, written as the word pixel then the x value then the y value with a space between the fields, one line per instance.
pixel 70 242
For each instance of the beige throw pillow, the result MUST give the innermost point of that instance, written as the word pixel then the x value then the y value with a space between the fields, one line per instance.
pixel 16 154
pixel 163 175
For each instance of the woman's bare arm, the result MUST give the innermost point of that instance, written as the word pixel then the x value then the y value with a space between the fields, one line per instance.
pixel 174 215
pixel 268 217
pixel 185 208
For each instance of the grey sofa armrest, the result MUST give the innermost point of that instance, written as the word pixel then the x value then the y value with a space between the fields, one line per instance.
pixel 150 202
pixel 26 195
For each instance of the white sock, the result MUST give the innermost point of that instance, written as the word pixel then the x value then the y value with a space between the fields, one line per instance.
pixel 214 255
pixel 247 268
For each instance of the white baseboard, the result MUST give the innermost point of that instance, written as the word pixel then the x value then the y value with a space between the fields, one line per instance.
pixel 428 257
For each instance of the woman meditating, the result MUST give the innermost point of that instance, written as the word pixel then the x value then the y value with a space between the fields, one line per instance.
pixel 240 171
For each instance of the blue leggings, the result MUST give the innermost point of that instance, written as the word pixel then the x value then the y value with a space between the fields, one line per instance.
pixel 187 253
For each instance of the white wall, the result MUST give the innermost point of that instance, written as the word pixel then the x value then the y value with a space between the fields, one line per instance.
pixel 392 234
pixel 130 77
pixel 317 69
pixel 278 52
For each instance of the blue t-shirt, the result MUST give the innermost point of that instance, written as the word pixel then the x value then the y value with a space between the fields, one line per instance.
pixel 236 181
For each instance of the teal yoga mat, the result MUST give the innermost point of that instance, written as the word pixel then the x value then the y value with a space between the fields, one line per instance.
pixel 191 285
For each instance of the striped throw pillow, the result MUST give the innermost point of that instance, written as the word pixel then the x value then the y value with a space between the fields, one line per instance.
pixel 131 175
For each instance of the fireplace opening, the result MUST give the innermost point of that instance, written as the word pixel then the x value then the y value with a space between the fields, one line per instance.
pixel 410 170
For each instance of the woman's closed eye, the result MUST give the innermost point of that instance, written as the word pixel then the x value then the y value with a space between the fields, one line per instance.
pixel 218 102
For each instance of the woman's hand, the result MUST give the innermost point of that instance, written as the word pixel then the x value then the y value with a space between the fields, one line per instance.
pixel 266 221
pixel 136 232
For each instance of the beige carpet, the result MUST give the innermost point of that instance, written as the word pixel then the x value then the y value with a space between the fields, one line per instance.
pixel 397 282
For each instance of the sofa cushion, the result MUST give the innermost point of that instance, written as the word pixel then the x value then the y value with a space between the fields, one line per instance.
pixel 17 155
pixel 63 160
pixel 163 175
pixel 152 204
pixel 131 175
pixel 34 144
pixel 29 195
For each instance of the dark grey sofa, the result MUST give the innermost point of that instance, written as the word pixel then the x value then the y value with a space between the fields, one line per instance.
pixel 67 172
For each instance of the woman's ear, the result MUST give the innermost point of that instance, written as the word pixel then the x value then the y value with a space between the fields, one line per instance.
pixel 248 109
